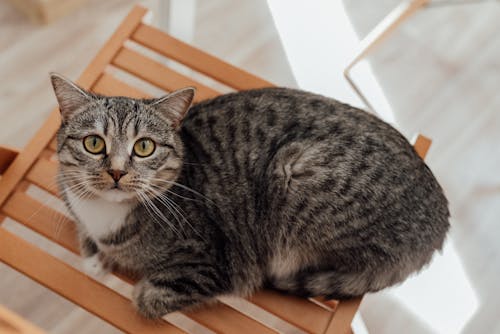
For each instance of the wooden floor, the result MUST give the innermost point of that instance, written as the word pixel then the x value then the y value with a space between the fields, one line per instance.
pixel 440 71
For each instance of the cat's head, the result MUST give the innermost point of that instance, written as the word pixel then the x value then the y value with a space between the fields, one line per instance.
pixel 118 148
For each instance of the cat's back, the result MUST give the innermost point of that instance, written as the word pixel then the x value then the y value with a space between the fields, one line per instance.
pixel 313 158
pixel 261 122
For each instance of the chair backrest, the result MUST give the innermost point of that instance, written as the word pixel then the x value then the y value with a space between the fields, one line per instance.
pixel 136 61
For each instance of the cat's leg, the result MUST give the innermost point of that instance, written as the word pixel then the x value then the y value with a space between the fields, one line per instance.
pixel 164 292
pixel 330 284
pixel 93 263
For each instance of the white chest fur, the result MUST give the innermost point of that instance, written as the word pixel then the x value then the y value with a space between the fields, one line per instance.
pixel 99 216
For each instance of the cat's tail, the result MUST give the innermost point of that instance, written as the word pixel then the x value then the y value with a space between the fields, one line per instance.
pixel 329 284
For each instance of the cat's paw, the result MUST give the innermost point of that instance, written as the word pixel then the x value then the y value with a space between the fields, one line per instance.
pixel 94 267
pixel 150 301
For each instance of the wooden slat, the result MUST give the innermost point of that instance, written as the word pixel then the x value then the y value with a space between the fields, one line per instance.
pixel 25 159
pixel 109 85
pixel 342 319
pixel 43 174
pixel 76 287
pixel 195 58
pixel 7 155
pixel 422 145
pixel 12 323
pixel 42 219
pixel 47 154
pixel 53 145
pixel 297 311
pixel 222 319
pixel 158 74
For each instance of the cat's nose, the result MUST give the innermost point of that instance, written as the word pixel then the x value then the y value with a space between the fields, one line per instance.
pixel 116 174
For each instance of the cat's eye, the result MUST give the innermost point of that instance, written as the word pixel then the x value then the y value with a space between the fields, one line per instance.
pixel 94 144
pixel 144 147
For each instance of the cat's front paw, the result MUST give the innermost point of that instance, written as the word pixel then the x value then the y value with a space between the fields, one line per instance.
pixel 95 267
pixel 152 302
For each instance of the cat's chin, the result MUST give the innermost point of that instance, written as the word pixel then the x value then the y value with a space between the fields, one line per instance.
pixel 116 195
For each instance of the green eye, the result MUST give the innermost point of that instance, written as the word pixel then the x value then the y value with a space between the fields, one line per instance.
pixel 144 147
pixel 94 144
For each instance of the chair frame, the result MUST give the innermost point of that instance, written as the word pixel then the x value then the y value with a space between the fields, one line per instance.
pixel 35 165
pixel 377 35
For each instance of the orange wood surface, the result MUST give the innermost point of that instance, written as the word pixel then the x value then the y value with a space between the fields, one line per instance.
pixel 344 313
pixel 422 145
pixel 157 74
pixel 53 145
pixel 7 155
pixel 43 174
pixel 223 319
pixel 297 311
pixel 42 219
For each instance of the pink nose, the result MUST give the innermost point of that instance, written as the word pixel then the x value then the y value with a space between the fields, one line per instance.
pixel 116 174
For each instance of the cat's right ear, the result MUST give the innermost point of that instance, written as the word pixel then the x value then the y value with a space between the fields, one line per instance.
pixel 69 96
pixel 174 106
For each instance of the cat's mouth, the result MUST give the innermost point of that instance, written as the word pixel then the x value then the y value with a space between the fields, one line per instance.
pixel 117 194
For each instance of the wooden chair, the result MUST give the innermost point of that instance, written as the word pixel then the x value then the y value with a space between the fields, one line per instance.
pixel 134 53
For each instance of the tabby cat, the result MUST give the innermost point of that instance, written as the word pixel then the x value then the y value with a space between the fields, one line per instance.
pixel 271 187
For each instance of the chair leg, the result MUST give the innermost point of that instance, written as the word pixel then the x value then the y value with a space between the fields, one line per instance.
pixel 342 318
pixel 7 155
pixel 421 144
pixel 390 23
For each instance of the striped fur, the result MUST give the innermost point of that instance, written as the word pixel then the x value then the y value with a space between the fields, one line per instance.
pixel 274 187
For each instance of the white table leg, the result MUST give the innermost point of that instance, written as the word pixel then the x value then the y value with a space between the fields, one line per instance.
pixel 177 17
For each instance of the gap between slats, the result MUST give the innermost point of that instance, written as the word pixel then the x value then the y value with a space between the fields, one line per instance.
pixel 197 59
pixel 109 85
pixel 157 73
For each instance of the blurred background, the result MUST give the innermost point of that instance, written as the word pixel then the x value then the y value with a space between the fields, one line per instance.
pixel 437 74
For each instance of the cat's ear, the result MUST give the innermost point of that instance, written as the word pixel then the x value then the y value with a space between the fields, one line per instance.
pixel 175 105
pixel 69 96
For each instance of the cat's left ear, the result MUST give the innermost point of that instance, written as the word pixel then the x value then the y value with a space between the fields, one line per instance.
pixel 175 105
pixel 70 97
